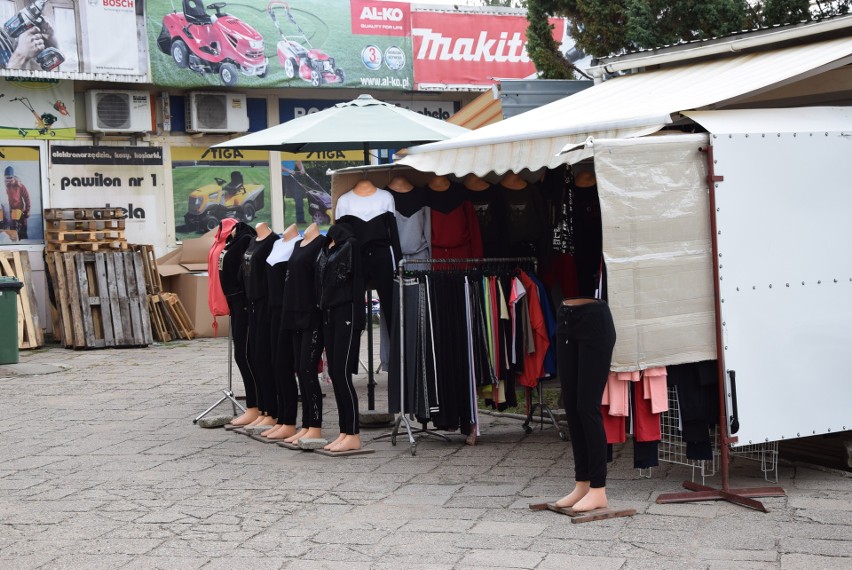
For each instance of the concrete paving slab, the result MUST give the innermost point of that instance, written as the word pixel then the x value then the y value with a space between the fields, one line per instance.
pixel 117 472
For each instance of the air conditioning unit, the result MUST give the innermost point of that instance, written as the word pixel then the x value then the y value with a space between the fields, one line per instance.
pixel 118 111
pixel 216 113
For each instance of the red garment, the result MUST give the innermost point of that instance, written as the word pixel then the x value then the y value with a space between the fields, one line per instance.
pixel 216 299
pixel 561 271
pixel 615 426
pixel 19 196
pixel 534 361
pixel 455 235
pixel 646 424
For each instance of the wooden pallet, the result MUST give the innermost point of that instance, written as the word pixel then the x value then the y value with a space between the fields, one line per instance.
pixel 101 299
pixel 67 236
pixel 161 326
pixel 153 281
pixel 17 264
pixel 51 214
pixel 62 247
pixel 84 225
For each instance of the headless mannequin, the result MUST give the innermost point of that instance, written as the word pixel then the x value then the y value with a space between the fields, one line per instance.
pixel 263 231
pixel 281 431
pixel 585 179
pixel 311 232
pixel 400 184
pixel 439 183
pixel 364 188
pixel 475 183
pixel 513 182
pixel 251 414
pixel 583 498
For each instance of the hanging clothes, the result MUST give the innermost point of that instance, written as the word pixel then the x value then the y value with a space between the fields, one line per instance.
pixel 492 218
pixel 455 229
pixel 538 336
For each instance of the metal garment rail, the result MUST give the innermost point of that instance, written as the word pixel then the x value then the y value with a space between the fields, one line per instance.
pixel 426 265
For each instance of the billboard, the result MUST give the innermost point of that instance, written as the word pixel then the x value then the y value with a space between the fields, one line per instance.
pixel 130 178
pixel 270 43
pixel 20 200
pixel 42 36
pixel 471 49
pixel 36 109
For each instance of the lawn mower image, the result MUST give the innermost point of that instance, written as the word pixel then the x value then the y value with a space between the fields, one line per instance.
pixel 212 43
pixel 319 206
pixel 43 121
pixel 212 203
pixel 298 56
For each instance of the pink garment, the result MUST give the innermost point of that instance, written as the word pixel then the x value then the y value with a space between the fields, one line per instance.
pixel 654 388
pixel 615 394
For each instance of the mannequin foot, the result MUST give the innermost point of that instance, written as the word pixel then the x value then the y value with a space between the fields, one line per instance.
pixel 266 421
pixel 296 436
pixel 312 433
pixel 471 439
pixel 282 432
pixel 581 488
pixel 335 442
pixel 594 499
pixel 348 443
pixel 246 418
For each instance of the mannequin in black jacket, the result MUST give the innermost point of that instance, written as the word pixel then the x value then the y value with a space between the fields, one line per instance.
pixel 340 292
pixel 230 277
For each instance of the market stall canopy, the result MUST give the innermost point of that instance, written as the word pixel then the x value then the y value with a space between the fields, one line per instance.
pixel 363 123
pixel 623 107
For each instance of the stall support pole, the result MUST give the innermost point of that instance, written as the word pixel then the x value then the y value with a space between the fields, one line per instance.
pixel 229 393
pixel 743 496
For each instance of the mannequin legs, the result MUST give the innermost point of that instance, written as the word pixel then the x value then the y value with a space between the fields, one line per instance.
pixel 341 341
pixel 239 335
pixel 306 349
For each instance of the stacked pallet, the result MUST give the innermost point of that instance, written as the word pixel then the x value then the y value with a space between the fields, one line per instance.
pixel 99 299
pixel 169 319
pixel 17 264
pixel 84 229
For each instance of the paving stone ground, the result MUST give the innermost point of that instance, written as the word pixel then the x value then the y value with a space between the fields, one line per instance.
pixel 102 467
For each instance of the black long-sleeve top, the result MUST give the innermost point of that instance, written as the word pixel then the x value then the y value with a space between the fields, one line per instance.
pixel 231 259
pixel 339 277
pixel 380 231
pixel 254 266
pixel 300 290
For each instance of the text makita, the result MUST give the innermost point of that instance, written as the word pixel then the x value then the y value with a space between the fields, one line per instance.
pixel 437 47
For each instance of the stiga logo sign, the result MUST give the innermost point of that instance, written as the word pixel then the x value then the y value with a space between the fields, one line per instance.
pixel 380 18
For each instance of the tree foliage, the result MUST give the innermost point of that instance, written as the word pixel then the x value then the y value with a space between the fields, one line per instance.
pixel 604 27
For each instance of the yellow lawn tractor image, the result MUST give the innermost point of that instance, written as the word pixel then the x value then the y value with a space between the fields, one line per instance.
pixel 210 204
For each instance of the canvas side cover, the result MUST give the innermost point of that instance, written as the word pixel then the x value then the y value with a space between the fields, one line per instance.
pixel 657 249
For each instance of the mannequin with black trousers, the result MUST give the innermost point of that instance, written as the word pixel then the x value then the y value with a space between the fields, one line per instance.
pixel 254 268
pixel 340 289
pixel 284 371
pixel 302 319
pixel 230 276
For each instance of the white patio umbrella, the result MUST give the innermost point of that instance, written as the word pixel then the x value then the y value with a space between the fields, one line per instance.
pixel 363 123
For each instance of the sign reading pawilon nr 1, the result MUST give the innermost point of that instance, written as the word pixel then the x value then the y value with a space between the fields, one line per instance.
pixel 113 177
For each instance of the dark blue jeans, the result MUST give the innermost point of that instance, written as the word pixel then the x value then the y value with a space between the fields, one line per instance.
pixel 585 337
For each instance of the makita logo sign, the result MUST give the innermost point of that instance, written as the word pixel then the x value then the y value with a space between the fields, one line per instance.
pixel 382 14
pixel 486 47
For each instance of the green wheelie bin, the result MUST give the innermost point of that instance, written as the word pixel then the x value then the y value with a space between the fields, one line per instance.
pixel 9 287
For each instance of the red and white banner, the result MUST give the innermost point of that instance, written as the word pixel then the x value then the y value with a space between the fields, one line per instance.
pixel 472 49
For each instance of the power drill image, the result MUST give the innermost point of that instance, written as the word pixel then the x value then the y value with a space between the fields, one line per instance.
pixel 29 17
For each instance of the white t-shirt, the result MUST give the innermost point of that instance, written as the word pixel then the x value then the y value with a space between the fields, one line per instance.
pixel 282 250
pixel 364 207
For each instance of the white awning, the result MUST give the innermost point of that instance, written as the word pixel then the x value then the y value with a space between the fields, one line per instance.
pixel 798 120
pixel 624 107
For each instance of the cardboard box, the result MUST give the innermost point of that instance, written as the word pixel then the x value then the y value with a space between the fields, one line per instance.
pixel 184 272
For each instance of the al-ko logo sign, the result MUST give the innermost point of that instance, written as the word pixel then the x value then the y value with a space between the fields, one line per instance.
pixel 472 49
pixel 378 18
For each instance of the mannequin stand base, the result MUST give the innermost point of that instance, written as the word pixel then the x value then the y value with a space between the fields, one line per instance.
pixel 583 516
pixel 373 419
pixel 229 395
pixel 743 496
pixel 308 444
pixel 288 445
pixel 361 451
pixel 214 422
pixel 261 439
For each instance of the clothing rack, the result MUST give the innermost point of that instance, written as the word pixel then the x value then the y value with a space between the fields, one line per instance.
pixel 427 266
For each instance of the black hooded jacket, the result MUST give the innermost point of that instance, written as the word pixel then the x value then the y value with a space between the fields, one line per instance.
pixel 231 259
pixel 339 277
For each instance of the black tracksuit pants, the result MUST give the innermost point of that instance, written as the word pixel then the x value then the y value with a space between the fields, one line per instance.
pixel 585 338
pixel 379 270
pixel 286 393
pixel 306 349
pixel 239 324
pixel 341 347
pixel 260 356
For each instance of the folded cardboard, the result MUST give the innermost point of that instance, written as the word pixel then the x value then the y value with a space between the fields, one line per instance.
pixel 184 272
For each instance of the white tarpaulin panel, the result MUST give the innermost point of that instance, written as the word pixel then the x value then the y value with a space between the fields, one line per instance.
pixel 785 247
pixel 657 249
pixel 628 106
